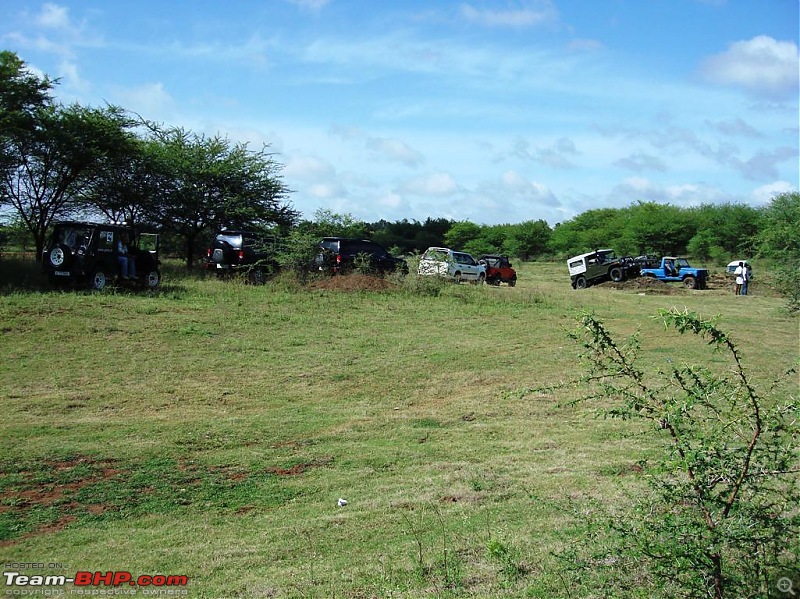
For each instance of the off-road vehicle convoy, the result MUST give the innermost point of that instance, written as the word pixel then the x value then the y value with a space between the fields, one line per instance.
pixel 86 253
pixel 598 266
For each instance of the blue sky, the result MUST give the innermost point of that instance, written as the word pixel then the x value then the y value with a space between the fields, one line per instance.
pixel 489 111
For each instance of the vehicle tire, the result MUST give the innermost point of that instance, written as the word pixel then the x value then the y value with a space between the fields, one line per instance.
pixel 99 280
pixel 257 276
pixel 59 256
pixel 616 274
pixel 580 283
pixel 481 279
pixel 690 283
pixel 457 278
pixel 512 281
pixel 153 279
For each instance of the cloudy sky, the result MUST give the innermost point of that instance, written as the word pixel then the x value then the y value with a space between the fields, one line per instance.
pixel 492 111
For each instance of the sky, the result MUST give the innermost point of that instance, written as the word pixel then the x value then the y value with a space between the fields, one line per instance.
pixel 491 111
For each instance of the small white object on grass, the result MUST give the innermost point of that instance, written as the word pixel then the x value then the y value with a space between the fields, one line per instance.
pixel 341 502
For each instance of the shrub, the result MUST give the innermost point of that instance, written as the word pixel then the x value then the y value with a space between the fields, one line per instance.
pixel 720 518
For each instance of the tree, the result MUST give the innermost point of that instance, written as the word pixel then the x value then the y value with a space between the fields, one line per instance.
pixel 461 233
pixel 780 235
pixel 528 239
pixel 126 187
pixel 780 241
pixel 53 164
pixel 724 231
pixel 22 95
pixel 328 223
pixel 205 183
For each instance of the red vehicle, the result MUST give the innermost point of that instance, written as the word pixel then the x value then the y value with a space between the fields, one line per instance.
pixel 498 270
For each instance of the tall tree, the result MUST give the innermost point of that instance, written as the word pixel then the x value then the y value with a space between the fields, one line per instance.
pixel 22 95
pixel 208 182
pixel 52 165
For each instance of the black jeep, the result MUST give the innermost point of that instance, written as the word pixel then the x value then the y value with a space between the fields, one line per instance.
pixel 86 253
pixel 251 253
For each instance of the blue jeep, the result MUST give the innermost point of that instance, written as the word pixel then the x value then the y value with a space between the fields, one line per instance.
pixel 678 270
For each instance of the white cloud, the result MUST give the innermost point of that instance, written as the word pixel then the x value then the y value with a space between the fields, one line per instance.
pixel 53 17
pixel 765 193
pixel 326 191
pixel 762 66
pixel 527 15
pixel 635 189
pixel 639 162
pixel 735 127
pixel 436 184
pixel 395 150
pixel 309 168
pixel 150 100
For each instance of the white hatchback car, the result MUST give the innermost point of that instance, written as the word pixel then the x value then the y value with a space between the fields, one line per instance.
pixel 447 263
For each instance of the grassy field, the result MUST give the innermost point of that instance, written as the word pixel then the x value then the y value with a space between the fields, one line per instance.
pixel 209 429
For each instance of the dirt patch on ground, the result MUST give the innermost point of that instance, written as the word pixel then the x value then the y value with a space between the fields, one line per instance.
pixel 649 285
pixel 301 468
pixel 645 285
pixel 353 282
pixel 27 496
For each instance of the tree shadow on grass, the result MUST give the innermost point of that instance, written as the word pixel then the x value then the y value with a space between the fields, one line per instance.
pixel 23 274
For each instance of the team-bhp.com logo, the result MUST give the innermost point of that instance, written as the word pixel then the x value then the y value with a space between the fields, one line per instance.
pixel 95 579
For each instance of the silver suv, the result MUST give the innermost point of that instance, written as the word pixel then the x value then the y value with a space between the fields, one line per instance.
pixel 452 265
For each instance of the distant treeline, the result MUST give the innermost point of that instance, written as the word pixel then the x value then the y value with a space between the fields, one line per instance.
pixel 717 233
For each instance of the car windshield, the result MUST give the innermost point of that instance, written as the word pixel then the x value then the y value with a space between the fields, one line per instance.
pixel 492 261
pixel 74 236
pixel 682 262
pixel 437 255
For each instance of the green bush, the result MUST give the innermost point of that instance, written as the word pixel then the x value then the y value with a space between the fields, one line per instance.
pixel 719 517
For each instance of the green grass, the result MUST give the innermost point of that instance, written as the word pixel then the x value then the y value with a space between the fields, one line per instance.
pixel 209 428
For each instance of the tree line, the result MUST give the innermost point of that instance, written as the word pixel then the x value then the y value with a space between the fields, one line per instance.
pixel 70 161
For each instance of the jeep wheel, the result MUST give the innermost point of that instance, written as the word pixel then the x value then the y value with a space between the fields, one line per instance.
pixel 615 274
pixel 59 256
pixel 457 278
pixel 512 281
pixel 481 279
pixel 690 283
pixel 153 279
pixel 580 283
pixel 98 280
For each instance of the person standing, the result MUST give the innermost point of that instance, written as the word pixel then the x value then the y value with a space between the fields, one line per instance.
pixel 741 279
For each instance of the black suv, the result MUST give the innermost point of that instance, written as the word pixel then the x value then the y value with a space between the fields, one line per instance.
pixel 87 253
pixel 251 253
pixel 343 254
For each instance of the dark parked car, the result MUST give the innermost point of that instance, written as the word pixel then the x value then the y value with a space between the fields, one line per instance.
pixel 343 254
pixel 247 252
pixel 498 270
pixel 88 253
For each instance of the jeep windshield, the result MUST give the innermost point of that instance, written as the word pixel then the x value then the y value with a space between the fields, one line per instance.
pixel 73 236
pixel 606 256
